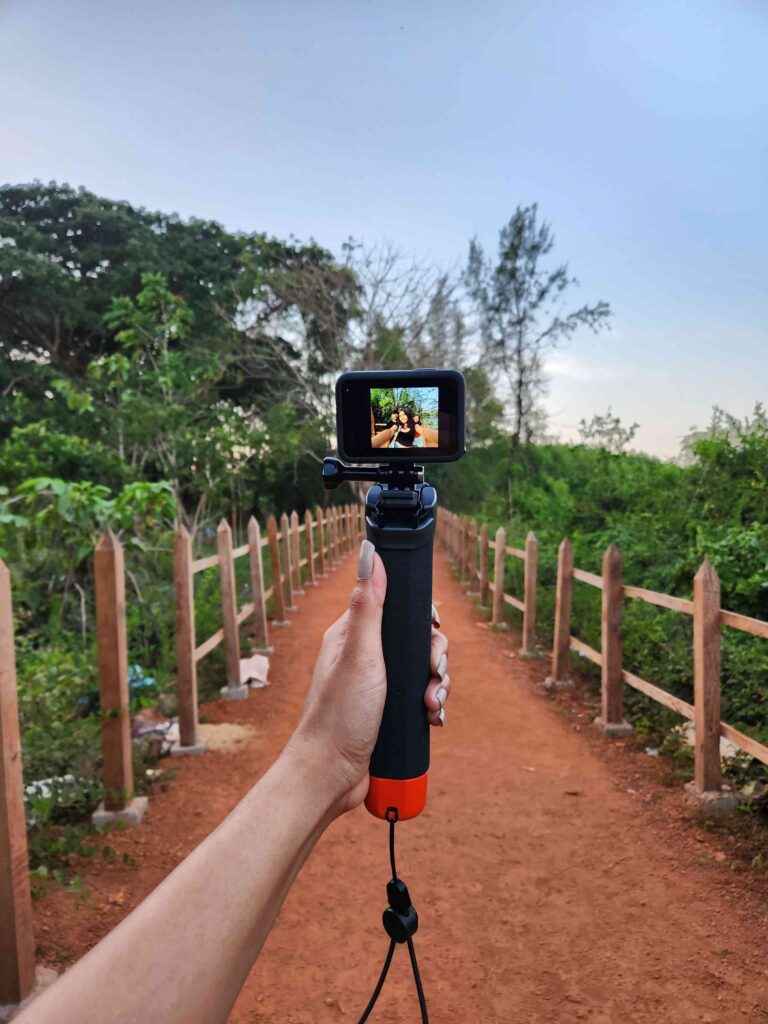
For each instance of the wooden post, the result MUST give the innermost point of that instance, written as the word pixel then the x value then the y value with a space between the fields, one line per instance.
pixel 308 524
pixel 611 719
pixel 472 590
pixel 561 644
pixel 17 947
pixel 233 690
pixel 296 553
pixel 462 556
pixel 497 617
pixel 484 589
pixel 280 618
pixel 260 632
pixel 320 544
pixel 285 532
pixel 334 531
pixel 706 678
pixel 109 578
pixel 529 649
pixel 186 666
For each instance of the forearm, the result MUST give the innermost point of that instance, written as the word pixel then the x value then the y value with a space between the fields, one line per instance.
pixel 185 952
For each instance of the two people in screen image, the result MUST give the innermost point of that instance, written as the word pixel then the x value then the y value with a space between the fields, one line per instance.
pixel 405 430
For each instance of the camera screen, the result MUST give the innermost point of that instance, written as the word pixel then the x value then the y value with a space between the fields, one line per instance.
pixel 405 417
pixel 400 415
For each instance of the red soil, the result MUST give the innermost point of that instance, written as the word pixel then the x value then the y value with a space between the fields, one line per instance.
pixel 556 880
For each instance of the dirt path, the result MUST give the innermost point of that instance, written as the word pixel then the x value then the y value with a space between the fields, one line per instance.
pixel 550 887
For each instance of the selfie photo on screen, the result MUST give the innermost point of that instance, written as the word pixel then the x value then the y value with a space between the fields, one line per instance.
pixel 404 417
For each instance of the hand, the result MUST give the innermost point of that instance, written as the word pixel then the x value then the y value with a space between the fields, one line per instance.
pixel 343 709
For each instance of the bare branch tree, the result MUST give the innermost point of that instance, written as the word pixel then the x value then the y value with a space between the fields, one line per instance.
pixel 520 317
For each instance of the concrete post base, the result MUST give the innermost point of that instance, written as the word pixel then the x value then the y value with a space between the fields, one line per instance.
pixel 711 801
pixel 298 593
pixel 196 748
pixel 44 976
pixel 266 651
pixel 233 692
pixel 501 627
pixel 613 728
pixel 473 593
pixel 292 608
pixel 310 583
pixel 280 624
pixel 529 655
pixel 557 684
pixel 131 814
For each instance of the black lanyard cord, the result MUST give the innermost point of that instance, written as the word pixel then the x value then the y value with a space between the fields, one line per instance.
pixel 400 923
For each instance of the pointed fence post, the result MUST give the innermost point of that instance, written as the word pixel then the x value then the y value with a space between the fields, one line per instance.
pixel 472 571
pixel 17 946
pixel 611 719
pixel 529 649
pixel 707 780
pixel 561 644
pixel 260 630
pixel 296 553
pixel 285 533
pixel 278 596
pixel 484 588
pixel 186 665
pixel 234 690
pixel 334 524
pixel 320 545
pixel 462 553
pixel 497 617
pixel 308 524
pixel 109 577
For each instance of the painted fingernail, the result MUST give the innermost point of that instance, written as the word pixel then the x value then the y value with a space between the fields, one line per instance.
pixel 365 561
pixel 440 696
pixel 442 665
pixel 435 617
pixel 441 716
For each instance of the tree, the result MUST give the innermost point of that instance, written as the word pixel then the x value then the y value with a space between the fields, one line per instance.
pixel 65 253
pixel 398 298
pixel 607 432
pixel 518 301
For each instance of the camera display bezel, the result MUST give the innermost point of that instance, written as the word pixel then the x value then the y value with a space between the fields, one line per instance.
pixel 353 415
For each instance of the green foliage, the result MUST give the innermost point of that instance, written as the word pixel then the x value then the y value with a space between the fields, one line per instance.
pixel 666 519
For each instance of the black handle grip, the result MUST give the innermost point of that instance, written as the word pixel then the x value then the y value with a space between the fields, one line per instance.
pixel 400 759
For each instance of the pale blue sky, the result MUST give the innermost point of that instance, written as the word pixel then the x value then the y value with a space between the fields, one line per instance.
pixel 641 130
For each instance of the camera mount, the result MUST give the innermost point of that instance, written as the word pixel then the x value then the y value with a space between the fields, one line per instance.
pixel 403 475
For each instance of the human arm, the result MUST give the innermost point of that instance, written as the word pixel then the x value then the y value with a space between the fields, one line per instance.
pixel 185 952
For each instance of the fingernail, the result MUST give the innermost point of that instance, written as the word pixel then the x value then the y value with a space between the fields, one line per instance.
pixel 435 617
pixel 440 696
pixel 442 665
pixel 365 561
pixel 441 716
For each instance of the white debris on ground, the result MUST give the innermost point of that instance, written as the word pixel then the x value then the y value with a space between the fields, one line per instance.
pixel 254 671
pixel 728 749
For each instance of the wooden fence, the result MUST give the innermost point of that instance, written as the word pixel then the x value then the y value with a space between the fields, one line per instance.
pixel 469 548
pixel 327 535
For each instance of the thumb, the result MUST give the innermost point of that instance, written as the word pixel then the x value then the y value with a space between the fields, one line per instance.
pixel 366 604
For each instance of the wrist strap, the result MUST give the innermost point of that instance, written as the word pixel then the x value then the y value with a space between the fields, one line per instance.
pixel 400 922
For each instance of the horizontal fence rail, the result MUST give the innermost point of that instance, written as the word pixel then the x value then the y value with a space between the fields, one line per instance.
pixel 469 549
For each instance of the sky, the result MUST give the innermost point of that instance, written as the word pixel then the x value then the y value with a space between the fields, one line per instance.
pixel 640 130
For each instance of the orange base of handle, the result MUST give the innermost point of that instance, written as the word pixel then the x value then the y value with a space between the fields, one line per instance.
pixel 409 796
